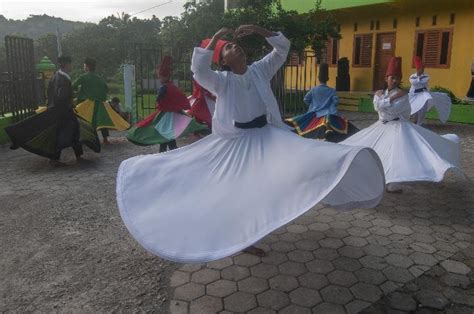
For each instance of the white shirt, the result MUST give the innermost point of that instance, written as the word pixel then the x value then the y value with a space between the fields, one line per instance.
pixel 418 82
pixel 390 110
pixel 234 101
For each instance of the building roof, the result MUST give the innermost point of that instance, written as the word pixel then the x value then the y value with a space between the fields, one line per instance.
pixel 306 5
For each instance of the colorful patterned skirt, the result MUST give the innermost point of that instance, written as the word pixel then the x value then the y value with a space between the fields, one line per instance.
pixel 101 115
pixel 162 127
pixel 48 130
pixel 331 128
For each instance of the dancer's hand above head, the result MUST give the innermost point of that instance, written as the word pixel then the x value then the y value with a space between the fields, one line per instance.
pixel 222 32
pixel 245 30
pixel 217 36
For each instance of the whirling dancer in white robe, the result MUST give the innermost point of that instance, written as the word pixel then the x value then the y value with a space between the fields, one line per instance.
pixel 422 100
pixel 408 152
pixel 252 175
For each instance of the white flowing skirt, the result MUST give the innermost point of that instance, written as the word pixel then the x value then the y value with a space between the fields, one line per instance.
pixel 410 152
pixel 218 196
pixel 440 101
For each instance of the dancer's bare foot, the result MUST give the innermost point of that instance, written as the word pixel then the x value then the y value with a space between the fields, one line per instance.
pixel 254 251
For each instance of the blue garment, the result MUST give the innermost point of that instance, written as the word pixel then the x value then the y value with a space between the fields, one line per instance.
pixel 322 100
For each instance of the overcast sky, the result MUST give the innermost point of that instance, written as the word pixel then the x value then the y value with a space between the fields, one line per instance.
pixel 89 10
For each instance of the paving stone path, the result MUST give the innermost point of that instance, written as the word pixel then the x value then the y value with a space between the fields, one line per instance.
pixel 64 248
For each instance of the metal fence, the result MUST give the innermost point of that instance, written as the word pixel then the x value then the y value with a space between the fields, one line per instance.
pixel 146 59
pixel 289 85
pixel 20 90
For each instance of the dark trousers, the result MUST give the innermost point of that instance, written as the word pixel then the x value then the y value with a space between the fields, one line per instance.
pixel 105 133
pixel 78 151
pixel 67 135
pixel 170 145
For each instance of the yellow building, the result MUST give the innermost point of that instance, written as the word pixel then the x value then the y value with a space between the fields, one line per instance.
pixel 372 31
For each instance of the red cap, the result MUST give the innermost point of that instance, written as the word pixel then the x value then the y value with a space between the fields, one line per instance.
pixel 217 50
pixel 395 67
pixel 418 63
pixel 165 67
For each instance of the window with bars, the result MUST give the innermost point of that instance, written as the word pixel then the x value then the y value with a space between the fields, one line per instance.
pixel 434 47
pixel 362 51
pixel 331 53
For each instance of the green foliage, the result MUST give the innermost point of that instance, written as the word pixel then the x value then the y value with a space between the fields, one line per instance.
pixel 451 95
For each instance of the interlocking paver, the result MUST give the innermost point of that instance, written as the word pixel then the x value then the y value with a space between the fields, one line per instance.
pixel 273 299
pixel 305 297
pixel 336 294
pixel 221 288
pixel 240 302
pixel 329 308
pixel 358 232
pixel 205 276
pixel 206 304
pixel 325 253
pixel 189 291
pixel 351 251
pixel 361 224
pixel 374 262
pixel 346 263
pixel 366 292
pixel 342 278
pixel 264 271
pixel 283 246
pixel 331 243
pixel 383 231
pixel 292 268
pixel 397 274
pixel 371 276
pixel 253 285
pixel 318 226
pixel 290 237
pixel 297 228
pixel 235 273
pixel 423 259
pixel 402 301
pixel 320 266
pixel 178 307
pixel 295 309
pixel 274 258
pixel 399 260
pixel 307 245
pixel 432 299
pixel 376 250
pixel 220 264
pixel 455 267
pixel 356 306
pixel 313 281
pixel 283 283
pixel 179 278
pixel 301 256
pixel 246 260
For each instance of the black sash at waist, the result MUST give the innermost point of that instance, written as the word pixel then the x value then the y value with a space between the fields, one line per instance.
pixel 419 90
pixel 258 122
pixel 386 121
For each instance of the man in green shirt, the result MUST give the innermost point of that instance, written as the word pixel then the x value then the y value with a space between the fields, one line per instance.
pixel 92 94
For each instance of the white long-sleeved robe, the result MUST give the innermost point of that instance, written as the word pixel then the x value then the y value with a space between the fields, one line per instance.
pixel 408 152
pixel 223 193
pixel 422 100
